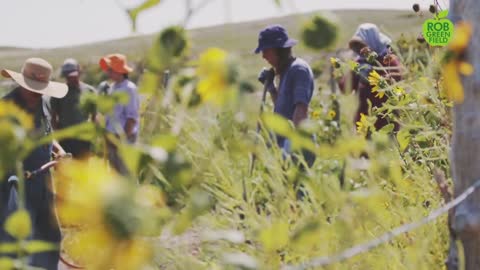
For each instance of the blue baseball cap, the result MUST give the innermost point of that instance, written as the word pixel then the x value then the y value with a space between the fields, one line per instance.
pixel 70 68
pixel 274 36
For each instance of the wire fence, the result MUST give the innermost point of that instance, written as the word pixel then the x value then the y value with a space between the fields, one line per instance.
pixel 365 247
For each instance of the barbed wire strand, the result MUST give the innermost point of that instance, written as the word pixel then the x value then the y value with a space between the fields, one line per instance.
pixel 362 248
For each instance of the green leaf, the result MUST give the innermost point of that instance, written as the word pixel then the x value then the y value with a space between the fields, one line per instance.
pixel 200 203
pixel 442 14
pixel 319 33
pixel 170 48
pixel 6 248
pixel 182 223
pixel 7 264
pixel 149 83
pixel 130 155
pixel 403 138
pixel 84 131
pixel 19 225
pixel 275 237
pixel 387 129
pixel 421 138
pixel 133 13
pixel 39 246
pixel 305 230
pixel 277 124
pixel 165 141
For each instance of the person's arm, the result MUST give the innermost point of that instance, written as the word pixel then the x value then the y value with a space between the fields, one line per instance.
pixel 300 113
pixel 302 93
pixel 130 127
pixel 132 113
pixel 394 67
pixel 58 149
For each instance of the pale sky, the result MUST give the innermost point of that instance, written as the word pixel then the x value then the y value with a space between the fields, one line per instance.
pixel 58 23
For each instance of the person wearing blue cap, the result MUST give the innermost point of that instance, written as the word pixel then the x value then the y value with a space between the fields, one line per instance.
pixel 292 95
pixel 67 112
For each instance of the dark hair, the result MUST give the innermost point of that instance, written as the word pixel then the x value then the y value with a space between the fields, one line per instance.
pixel 284 57
pixel 356 45
pixel 125 75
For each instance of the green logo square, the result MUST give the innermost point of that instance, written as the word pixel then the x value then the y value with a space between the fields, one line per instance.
pixel 439 30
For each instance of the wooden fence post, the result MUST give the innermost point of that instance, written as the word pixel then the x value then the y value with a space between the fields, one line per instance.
pixel 465 155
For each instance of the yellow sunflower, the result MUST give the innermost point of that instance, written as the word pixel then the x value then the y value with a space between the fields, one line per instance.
pixel 454 66
pixel 315 114
pixel 104 212
pixel 335 62
pixel 461 37
pixel 363 125
pixel 374 78
pixel 378 83
pixel 331 114
pixel 379 92
pixel 213 73
pixel 15 115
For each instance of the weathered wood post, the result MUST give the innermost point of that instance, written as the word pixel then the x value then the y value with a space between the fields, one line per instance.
pixel 465 155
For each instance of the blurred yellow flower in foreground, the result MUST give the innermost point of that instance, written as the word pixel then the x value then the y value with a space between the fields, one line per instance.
pixel 106 212
pixel 213 73
pixel 11 112
pixel 454 65
pixel 461 37
pixel 95 249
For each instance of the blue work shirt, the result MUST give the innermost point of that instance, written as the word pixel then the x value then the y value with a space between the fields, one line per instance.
pixel 122 112
pixel 296 86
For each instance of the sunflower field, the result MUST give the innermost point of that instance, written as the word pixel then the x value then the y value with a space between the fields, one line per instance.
pixel 207 191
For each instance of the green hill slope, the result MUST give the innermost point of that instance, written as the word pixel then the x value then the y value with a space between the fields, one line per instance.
pixel 239 39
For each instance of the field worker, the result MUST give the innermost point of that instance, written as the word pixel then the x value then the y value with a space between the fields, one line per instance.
pixel 292 95
pixel 369 41
pixel 375 40
pixel 66 111
pixel 33 82
pixel 125 119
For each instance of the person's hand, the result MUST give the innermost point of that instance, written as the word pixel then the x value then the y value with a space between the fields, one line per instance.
pixel 271 87
pixel 99 119
pixel 266 77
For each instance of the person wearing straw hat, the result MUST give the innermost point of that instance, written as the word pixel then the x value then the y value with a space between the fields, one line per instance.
pixel 33 82
pixel 125 119
pixel 66 111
